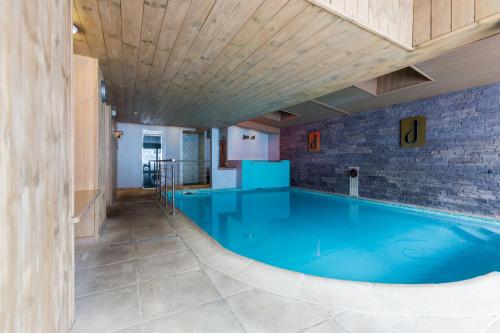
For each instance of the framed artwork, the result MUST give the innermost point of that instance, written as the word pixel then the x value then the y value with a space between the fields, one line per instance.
pixel 314 141
pixel 412 132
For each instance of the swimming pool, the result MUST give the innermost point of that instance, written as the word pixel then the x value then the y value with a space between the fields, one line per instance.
pixel 345 238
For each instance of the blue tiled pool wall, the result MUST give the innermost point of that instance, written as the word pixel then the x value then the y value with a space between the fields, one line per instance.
pixel 458 169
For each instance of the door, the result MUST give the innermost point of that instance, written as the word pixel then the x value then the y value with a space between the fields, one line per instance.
pixel 151 151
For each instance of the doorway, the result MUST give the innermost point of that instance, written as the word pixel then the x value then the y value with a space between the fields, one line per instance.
pixel 151 151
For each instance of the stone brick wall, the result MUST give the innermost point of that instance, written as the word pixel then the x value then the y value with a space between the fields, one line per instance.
pixel 458 168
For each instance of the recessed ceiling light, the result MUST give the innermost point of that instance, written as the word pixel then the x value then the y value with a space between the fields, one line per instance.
pixel 75 29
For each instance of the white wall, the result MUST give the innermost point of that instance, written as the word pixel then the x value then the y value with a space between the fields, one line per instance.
pixel 129 154
pixel 239 149
pixel 221 178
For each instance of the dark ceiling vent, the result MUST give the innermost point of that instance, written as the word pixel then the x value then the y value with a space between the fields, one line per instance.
pixel 280 115
pixel 402 78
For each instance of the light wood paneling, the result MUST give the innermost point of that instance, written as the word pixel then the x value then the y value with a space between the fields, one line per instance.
pixel 388 18
pixel 462 13
pixel 485 8
pixel 435 18
pixel 90 149
pixel 441 17
pixel 36 237
pixel 470 66
pixel 219 62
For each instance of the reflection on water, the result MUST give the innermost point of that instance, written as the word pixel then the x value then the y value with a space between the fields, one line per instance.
pixel 345 238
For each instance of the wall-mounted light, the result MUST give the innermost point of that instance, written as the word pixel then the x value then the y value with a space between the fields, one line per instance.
pixel 103 91
pixel 113 113
pixel 75 29
pixel 117 134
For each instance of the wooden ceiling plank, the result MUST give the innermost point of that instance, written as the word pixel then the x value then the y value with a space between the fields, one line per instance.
pixel 110 15
pixel 193 22
pixel 153 14
pixel 250 30
pixel 279 53
pixel 80 44
pixel 192 63
pixel 189 83
pixel 328 54
pixel 310 59
pixel 297 88
pixel 172 23
pixel 131 21
pixel 262 39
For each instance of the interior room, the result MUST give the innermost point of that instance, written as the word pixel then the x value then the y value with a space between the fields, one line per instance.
pixel 253 166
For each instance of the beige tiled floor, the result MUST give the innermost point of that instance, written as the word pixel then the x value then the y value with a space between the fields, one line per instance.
pixel 141 277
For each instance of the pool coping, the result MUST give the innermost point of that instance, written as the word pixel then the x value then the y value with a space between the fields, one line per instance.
pixel 477 296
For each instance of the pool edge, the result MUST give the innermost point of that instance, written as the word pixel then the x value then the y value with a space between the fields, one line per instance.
pixel 471 297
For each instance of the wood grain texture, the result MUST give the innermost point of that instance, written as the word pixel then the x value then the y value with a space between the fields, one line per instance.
pixel 217 62
pixel 36 237
pixel 441 17
pixel 90 149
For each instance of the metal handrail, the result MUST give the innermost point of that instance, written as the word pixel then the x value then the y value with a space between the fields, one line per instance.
pixel 162 174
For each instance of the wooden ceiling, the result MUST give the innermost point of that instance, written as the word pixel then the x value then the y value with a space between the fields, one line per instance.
pixel 205 63
pixel 470 66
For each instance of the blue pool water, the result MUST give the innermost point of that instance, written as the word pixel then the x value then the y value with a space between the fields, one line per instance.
pixel 343 238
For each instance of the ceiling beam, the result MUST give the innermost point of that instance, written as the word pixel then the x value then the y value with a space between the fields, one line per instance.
pixel 345 113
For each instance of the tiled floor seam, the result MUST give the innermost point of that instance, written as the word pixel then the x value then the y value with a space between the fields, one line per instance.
pixel 103 265
pixel 222 297
pixel 139 296
pixel 106 290
pixel 491 324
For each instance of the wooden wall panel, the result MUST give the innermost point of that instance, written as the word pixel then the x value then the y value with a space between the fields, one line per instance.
pixel 462 13
pixel 36 237
pixel 485 8
pixel 89 142
pixel 441 17
pixel 85 104
pixel 436 18
pixel 389 18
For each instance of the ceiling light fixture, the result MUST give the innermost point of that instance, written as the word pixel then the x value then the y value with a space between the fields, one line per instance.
pixel 75 29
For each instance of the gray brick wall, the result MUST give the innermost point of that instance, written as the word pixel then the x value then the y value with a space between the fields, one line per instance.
pixel 458 169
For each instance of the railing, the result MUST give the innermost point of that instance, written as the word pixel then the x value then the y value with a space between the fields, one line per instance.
pixel 172 174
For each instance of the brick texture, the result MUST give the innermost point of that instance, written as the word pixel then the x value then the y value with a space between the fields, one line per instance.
pixel 458 168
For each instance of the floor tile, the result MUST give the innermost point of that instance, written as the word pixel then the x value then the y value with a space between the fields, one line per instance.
pixel 108 311
pixel 157 231
pixel 106 255
pixel 326 327
pixel 158 246
pixel 105 277
pixel 115 236
pixel 355 322
pixel 262 312
pixel 494 326
pixel 176 293
pixel 224 284
pixel 133 329
pixel 167 264
pixel 208 318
